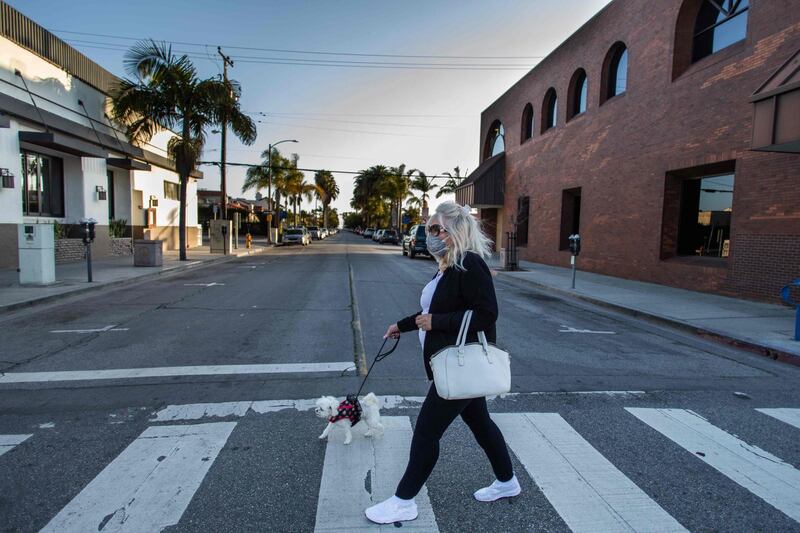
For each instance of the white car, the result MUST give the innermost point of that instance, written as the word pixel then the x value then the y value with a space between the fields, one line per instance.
pixel 296 236
pixel 377 235
pixel 323 233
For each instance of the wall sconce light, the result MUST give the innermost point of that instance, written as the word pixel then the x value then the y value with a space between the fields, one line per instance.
pixel 101 193
pixel 153 201
pixel 7 177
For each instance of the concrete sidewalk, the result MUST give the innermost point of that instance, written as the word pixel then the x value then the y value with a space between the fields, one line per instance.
pixel 765 328
pixel 71 277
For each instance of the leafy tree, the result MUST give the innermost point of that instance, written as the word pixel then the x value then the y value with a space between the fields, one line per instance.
pixel 453 181
pixel 167 94
pixel 421 183
pixel 328 191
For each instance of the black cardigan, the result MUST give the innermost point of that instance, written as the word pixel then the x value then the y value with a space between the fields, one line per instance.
pixel 456 292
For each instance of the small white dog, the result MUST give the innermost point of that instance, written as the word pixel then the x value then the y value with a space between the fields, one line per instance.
pixel 350 412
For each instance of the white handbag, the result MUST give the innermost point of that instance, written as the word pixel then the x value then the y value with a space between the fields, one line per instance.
pixel 471 370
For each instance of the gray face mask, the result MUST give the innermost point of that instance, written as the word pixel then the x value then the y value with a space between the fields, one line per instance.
pixel 436 246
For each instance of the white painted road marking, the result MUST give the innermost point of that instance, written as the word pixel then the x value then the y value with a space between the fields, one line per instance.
pixel 589 493
pixel 149 485
pixel 760 472
pixel 171 371
pixel 790 416
pixel 97 330
pixel 9 442
pixel 212 284
pixel 366 472
pixel 569 329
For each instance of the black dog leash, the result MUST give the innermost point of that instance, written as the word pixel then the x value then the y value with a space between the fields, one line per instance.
pixel 380 357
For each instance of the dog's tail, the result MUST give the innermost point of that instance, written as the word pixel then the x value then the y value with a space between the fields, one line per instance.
pixel 370 399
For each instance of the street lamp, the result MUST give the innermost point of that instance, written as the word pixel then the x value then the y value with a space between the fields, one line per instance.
pixel 269 186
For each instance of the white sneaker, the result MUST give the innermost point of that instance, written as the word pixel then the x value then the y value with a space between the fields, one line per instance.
pixel 499 489
pixel 392 510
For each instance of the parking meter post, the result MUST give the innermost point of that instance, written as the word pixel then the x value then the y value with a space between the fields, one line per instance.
pixel 575 248
pixel 88 236
pixel 786 295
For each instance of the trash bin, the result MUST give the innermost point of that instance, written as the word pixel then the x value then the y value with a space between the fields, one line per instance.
pixel 147 253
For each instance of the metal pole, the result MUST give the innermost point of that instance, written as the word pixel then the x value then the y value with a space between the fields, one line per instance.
pixel 224 133
pixel 89 261
pixel 573 271
pixel 270 205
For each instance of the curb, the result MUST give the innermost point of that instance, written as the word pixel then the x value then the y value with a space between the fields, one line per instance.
pixel 99 286
pixel 708 334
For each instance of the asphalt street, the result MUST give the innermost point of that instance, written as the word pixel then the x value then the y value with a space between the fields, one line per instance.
pixel 185 404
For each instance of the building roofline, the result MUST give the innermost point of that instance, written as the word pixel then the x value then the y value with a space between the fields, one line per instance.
pixel 580 29
pixel 28 34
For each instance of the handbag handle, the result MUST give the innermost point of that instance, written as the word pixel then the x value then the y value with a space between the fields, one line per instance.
pixel 462 332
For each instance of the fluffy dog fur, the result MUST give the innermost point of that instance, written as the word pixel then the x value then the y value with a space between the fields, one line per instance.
pixel 328 406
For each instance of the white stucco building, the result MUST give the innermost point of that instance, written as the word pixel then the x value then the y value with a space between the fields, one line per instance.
pixel 61 158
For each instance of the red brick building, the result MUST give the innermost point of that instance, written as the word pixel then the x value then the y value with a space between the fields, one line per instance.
pixel 637 133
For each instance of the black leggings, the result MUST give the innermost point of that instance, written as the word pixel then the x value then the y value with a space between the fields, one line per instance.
pixel 434 418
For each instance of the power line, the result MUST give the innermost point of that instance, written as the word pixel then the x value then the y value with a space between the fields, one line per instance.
pixel 289 51
pixel 339 121
pixel 399 115
pixel 276 167
pixel 349 131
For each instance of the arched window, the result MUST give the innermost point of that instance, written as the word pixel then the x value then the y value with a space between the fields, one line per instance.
pixel 615 72
pixel 718 25
pixel 495 140
pixel 549 110
pixel 578 94
pixel 527 123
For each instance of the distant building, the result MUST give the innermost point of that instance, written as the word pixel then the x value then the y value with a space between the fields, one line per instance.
pixel 60 157
pixel 666 136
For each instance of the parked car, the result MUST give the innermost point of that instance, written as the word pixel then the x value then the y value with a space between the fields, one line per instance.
pixel 389 236
pixel 368 233
pixel 415 243
pixel 314 231
pixel 377 235
pixel 296 236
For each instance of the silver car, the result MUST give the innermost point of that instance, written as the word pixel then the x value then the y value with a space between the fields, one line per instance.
pixel 296 236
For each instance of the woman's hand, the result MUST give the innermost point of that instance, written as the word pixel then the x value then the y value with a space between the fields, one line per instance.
pixel 393 332
pixel 424 322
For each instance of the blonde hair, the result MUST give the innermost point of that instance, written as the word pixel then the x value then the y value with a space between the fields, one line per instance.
pixel 465 233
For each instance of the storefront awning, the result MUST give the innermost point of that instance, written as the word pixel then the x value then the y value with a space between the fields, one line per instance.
pixel 127 163
pixel 485 187
pixel 62 143
pixel 776 127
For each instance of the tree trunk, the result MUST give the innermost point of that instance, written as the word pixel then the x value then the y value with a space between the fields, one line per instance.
pixel 182 219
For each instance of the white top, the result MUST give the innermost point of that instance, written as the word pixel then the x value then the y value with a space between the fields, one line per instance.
pixel 425 301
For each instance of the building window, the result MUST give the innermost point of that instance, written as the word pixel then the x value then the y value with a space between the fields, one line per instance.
pixel 570 215
pixel 495 140
pixel 719 24
pixel 110 174
pixel 172 190
pixel 42 185
pixel 523 216
pixel 615 72
pixel 527 123
pixel 705 216
pixel 578 94
pixel 549 110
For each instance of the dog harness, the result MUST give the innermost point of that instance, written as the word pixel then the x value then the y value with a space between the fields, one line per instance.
pixel 349 409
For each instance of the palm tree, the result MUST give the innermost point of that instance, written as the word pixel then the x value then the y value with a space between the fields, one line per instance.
pixel 297 187
pixel 167 94
pixel 367 193
pixel 453 181
pixel 258 177
pixel 396 186
pixel 421 183
pixel 328 191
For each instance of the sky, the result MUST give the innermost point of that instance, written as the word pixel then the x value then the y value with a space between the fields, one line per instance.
pixel 353 96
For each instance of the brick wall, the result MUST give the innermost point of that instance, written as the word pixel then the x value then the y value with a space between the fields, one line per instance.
pixel 69 250
pixel 121 246
pixel 622 153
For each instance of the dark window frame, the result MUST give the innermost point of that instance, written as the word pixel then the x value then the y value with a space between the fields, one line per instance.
pixel 610 72
pixel 578 94
pixel 110 195
pixel 700 37
pixel 496 131
pixel 55 182
pixel 527 128
pixel 549 110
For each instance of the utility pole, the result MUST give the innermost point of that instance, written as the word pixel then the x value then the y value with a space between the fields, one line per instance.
pixel 226 60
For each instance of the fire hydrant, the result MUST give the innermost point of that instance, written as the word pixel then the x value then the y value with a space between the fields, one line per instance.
pixel 248 241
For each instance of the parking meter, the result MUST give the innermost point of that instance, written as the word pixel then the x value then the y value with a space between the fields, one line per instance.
pixel 575 248
pixel 786 294
pixel 88 225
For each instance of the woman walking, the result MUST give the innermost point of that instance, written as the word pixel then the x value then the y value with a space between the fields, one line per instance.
pixel 463 282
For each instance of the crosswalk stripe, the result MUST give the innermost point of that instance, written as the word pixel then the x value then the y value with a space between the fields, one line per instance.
pixel 9 442
pixel 790 416
pixel 150 484
pixel 760 472
pixel 366 472
pixel 589 493
pixel 173 371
